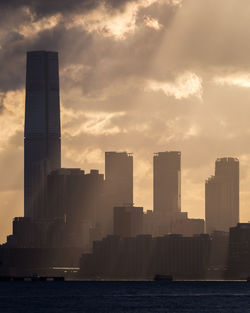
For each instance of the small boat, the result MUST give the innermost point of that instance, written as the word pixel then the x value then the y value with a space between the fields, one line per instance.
pixel 165 278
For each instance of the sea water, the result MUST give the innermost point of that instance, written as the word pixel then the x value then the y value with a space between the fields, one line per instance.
pixel 136 297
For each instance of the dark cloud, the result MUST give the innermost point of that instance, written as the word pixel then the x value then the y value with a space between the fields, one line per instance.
pixel 42 8
pixel 106 60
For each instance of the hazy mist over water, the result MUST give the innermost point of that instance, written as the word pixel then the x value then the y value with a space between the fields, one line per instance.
pixel 125 297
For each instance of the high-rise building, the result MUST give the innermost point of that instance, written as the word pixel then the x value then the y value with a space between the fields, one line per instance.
pixel 128 221
pixel 167 182
pixel 42 139
pixel 118 184
pixel 222 196
pixel 239 251
pixel 84 194
pixel 74 195
pixel 119 177
pixel 76 198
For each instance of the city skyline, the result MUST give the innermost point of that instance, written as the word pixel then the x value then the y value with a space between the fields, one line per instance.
pixel 67 210
pixel 190 108
pixel 124 155
pixel 115 156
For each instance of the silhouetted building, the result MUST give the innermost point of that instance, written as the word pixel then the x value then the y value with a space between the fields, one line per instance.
pixel 95 197
pixel 167 182
pixel 222 196
pixel 78 198
pixel 40 171
pixel 57 182
pixel 157 225
pixel 118 184
pixel 218 260
pixel 119 177
pixel 128 221
pixel 42 261
pixel 239 251
pixel 75 187
pixel 188 226
pixel 142 257
pixel 74 194
pixel 23 235
pixel 39 233
pixel 42 142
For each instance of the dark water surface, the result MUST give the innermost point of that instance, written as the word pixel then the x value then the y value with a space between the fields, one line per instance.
pixel 176 297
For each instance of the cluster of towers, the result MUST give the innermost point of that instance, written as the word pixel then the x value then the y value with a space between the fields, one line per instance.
pixel 79 204
pixel 70 215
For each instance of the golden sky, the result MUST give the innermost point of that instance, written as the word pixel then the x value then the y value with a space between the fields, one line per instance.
pixel 141 76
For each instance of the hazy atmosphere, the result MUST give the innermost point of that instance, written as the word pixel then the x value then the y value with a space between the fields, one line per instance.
pixel 138 76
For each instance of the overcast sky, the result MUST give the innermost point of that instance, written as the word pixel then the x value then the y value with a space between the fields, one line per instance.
pixel 141 76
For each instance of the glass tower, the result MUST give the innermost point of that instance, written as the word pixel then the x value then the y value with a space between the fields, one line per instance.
pixel 42 137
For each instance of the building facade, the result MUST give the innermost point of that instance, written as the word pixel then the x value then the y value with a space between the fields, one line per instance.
pixel 222 196
pixel 119 177
pixel 42 138
pixel 239 251
pixel 167 182
pixel 75 195
pixel 128 221
pixel 118 184
pixel 143 256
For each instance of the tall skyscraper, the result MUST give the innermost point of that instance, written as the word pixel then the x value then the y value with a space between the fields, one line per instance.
pixel 222 196
pixel 119 177
pixel 118 185
pixel 42 138
pixel 167 182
